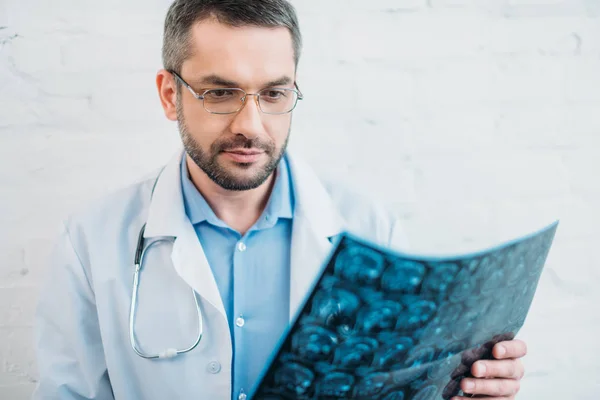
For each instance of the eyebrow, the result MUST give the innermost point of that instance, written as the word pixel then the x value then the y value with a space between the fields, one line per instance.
pixel 217 80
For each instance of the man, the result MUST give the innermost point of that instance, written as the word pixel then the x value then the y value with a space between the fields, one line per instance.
pixel 233 231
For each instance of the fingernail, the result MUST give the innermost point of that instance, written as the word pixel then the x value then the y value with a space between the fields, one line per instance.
pixel 469 385
pixel 501 350
pixel 481 369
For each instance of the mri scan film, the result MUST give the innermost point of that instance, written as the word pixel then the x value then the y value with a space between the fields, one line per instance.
pixel 391 326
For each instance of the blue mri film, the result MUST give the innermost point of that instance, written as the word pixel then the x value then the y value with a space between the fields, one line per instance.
pixel 381 325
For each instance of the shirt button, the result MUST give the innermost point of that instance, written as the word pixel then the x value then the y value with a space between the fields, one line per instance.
pixel 242 396
pixel 239 321
pixel 214 367
pixel 241 246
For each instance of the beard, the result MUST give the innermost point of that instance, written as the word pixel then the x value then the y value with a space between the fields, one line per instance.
pixel 207 160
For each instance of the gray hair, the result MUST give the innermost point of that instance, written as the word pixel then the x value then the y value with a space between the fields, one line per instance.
pixel 184 13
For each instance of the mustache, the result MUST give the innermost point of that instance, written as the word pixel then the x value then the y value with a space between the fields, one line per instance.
pixel 244 143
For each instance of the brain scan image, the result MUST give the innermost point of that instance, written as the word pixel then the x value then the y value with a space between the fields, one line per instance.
pixel 335 385
pixel 384 325
pixel 355 352
pixel 336 308
pixel 403 276
pixel 359 264
pixel 379 316
pixel 315 343
pixel 417 314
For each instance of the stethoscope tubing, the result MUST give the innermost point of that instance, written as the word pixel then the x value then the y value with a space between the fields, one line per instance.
pixel 140 253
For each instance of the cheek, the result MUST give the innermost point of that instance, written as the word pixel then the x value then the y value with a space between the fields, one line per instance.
pixel 203 127
pixel 278 129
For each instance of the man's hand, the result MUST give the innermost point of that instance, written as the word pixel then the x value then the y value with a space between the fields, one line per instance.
pixel 500 378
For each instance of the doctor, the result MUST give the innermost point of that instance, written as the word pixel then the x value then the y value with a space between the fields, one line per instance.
pixel 233 231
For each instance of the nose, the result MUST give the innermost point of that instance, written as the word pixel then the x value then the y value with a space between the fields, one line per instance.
pixel 247 121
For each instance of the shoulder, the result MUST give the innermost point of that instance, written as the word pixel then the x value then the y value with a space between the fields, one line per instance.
pixel 366 215
pixel 112 212
pixel 363 215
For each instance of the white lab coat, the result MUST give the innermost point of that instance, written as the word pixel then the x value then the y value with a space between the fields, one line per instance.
pixel 82 321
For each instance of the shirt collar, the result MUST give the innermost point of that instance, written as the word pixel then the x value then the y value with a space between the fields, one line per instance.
pixel 280 204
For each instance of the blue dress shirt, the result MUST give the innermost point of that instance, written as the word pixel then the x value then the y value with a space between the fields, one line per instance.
pixel 252 272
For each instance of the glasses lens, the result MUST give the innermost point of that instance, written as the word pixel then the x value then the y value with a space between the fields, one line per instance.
pixel 223 101
pixel 277 101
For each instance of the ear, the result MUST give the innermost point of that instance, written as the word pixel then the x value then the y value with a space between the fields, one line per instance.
pixel 167 91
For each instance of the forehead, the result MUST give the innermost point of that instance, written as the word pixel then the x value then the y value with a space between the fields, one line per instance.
pixel 248 55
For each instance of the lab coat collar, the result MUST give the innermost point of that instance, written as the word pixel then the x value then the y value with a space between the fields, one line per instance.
pixel 313 202
pixel 316 222
pixel 166 215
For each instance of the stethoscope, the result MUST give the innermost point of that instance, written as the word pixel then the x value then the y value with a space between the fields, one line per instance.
pixel 138 262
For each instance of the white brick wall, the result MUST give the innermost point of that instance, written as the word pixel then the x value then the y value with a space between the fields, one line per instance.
pixel 490 127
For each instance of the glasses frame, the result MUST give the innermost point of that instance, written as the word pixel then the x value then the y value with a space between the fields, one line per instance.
pixel 199 96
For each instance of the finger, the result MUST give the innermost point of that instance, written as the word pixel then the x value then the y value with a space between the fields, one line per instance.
pixel 509 369
pixel 486 398
pixel 510 349
pixel 491 387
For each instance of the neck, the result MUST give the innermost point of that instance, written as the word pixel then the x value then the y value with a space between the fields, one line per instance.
pixel 238 209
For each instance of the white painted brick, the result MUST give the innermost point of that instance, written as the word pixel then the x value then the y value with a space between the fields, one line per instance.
pixel 141 103
pixel 35 53
pixel 17 392
pixel 463 82
pixel 549 127
pixel 15 112
pixel 551 36
pixel 414 36
pixel 62 111
pixel 74 16
pixel 544 8
pixel 76 84
pixel 99 53
pixel 489 175
pixel 492 80
pixel 544 3
pixel 583 80
pixel 137 21
pixel 524 80
pixel 443 224
pixel 582 169
pixel 518 215
pixel 468 6
pixel 17 306
pixel 352 7
pixel 584 282
pixel 486 128
pixel 14 269
pixel 589 32
pixel 3 13
pixel 17 358
pixel 593 8
pixel 456 130
pixel 16 96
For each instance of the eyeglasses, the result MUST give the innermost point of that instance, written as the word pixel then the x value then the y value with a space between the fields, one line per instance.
pixel 230 100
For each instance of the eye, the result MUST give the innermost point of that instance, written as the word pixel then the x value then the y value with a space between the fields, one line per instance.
pixel 273 94
pixel 219 94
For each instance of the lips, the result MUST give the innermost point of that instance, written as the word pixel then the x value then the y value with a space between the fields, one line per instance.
pixel 245 152
pixel 244 156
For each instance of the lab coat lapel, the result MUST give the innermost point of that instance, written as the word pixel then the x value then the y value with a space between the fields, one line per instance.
pixel 316 222
pixel 167 217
